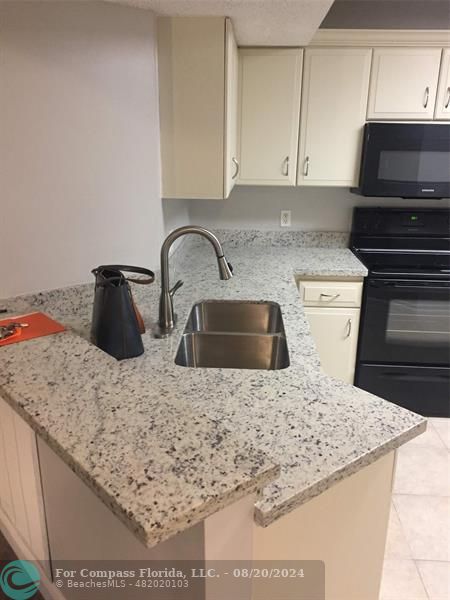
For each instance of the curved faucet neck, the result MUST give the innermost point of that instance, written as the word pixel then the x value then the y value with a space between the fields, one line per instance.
pixel 166 314
pixel 174 235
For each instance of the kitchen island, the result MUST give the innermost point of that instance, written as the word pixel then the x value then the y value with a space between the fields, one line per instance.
pixel 165 447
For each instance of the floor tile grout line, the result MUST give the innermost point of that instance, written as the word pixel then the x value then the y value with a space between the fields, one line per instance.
pixel 430 425
pixel 402 528
pixel 421 578
pixel 427 560
pixel 438 434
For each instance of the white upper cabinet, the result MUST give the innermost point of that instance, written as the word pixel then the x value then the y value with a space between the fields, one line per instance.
pixel 403 83
pixel 197 60
pixel 269 106
pixel 442 110
pixel 231 165
pixel 334 104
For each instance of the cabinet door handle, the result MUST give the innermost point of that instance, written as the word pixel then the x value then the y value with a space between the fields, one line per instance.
pixel 236 170
pixel 306 168
pixel 447 104
pixel 285 166
pixel 349 328
pixel 330 296
pixel 426 97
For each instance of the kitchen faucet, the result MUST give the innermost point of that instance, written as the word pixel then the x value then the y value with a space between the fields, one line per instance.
pixel 167 318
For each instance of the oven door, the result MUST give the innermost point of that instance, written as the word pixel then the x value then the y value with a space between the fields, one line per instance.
pixel 406 160
pixel 405 322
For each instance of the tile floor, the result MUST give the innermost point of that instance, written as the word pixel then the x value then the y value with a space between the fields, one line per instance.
pixel 417 560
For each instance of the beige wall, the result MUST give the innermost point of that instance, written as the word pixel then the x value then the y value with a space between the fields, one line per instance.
pixel 313 209
pixel 79 142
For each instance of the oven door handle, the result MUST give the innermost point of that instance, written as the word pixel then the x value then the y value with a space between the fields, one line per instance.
pixel 409 286
pixel 413 377
pixel 420 287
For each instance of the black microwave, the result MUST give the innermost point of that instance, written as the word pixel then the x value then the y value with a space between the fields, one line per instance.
pixel 405 160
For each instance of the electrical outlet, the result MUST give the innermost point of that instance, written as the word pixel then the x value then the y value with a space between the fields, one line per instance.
pixel 285 218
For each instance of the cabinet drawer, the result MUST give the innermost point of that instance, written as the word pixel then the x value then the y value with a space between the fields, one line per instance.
pixel 331 293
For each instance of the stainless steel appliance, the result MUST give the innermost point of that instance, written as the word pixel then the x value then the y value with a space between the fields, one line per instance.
pixel 406 160
pixel 404 343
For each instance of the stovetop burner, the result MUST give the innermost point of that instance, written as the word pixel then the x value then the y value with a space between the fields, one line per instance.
pixel 386 247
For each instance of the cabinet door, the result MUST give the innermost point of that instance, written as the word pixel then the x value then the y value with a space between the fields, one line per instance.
pixel 270 87
pixel 192 90
pixel 231 166
pixel 335 332
pixel 403 83
pixel 442 111
pixel 334 105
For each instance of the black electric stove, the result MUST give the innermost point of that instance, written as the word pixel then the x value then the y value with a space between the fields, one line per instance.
pixel 404 341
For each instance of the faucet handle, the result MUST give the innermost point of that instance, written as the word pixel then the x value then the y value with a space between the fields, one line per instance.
pixel 176 287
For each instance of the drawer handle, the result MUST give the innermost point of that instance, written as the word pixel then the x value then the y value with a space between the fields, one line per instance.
pixel 447 104
pixel 285 167
pixel 426 97
pixel 349 329
pixel 330 296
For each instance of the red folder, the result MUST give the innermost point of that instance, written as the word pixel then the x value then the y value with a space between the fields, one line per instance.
pixel 38 323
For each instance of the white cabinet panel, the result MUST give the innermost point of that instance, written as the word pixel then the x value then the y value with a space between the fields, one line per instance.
pixel 269 102
pixel 442 111
pixel 335 332
pixel 6 495
pixel 20 485
pixel 231 166
pixel 12 466
pixel 334 105
pixel 403 83
pixel 31 489
pixel 198 105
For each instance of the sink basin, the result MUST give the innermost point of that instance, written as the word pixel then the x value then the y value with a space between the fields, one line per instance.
pixel 235 316
pixel 233 350
pixel 233 334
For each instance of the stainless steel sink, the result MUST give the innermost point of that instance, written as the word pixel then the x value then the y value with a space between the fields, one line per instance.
pixel 235 335
pixel 233 351
pixel 235 316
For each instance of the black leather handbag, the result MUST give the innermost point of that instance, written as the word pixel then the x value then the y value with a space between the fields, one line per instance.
pixel 116 322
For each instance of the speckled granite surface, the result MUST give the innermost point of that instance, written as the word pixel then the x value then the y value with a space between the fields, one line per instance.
pixel 165 446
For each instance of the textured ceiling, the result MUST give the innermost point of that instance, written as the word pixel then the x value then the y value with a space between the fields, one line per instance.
pixel 256 22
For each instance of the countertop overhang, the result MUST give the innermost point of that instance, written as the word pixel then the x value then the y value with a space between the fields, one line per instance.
pixel 166 446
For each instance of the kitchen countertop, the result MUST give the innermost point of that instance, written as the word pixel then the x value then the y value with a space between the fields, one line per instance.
pixel 166 446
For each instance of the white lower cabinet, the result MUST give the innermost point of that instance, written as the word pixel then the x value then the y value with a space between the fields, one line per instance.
pixel 332 309
pixel 335 332
pixel 21 504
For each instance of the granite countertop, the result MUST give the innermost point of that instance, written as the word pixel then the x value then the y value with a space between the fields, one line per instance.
pixel 166 446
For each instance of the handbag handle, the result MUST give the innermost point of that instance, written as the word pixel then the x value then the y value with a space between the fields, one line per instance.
pixel 127 269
